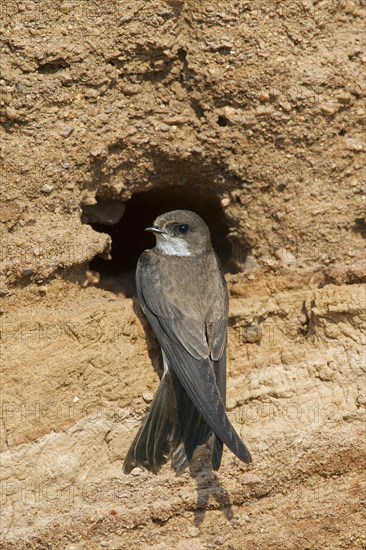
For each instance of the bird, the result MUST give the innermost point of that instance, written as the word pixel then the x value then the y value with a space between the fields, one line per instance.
pixel 182 292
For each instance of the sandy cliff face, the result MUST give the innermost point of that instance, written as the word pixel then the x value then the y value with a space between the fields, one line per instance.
pixel 251 114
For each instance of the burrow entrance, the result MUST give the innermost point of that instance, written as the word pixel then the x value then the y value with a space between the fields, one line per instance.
pixel 129 238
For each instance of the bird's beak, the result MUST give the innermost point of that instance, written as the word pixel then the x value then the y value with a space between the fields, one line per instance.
pixel 154 230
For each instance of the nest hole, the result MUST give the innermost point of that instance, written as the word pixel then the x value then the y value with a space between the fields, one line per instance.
pixel 129 238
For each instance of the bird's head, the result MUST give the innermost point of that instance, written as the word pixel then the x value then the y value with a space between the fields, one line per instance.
pixel 181 233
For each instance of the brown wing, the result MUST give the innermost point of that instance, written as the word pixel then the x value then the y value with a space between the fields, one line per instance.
pixel 190 344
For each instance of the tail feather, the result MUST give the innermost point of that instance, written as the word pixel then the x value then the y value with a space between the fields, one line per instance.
pixel 158 434
pixel 172 429
pixel 217 451
pixel 193 430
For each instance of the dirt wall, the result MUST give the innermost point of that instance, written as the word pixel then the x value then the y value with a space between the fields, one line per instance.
pixel 252 114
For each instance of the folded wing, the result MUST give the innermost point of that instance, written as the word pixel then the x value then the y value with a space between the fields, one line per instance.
pixel 195 351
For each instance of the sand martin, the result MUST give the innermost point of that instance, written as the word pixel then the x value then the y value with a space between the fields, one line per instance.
pixel 183 294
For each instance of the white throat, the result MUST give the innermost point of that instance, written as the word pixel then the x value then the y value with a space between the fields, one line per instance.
pixel 171 246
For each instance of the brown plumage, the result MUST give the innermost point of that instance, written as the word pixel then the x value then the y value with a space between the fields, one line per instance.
pixel 183 293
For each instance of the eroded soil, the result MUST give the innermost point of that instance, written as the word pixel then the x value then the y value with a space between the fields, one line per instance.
pixel 252 114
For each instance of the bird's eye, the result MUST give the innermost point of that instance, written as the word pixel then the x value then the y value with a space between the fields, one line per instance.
pixel 183 228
